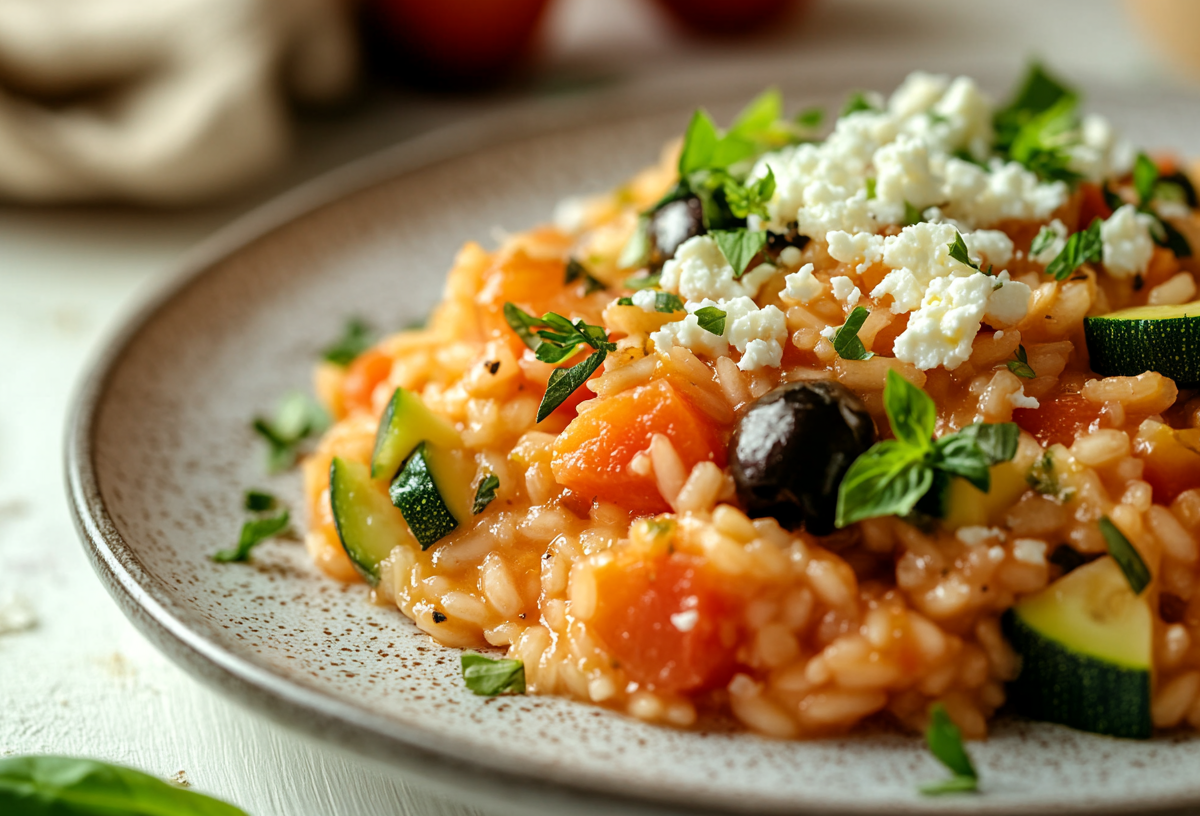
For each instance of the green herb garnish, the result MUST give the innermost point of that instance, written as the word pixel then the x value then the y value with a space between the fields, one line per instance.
pixel 893 475
pixel 485 494
pixel 711 319
pixel 1044 240
pixel 564 381
pixel 912 215
pixel 296 419
pixel 810 118
pixel 356 338
pixel 667 302
pixel 871 184
pixel 845 339
pixel 740 247
pixel 577 271
pixel 254 532
pixel 1126 556
pixel 45 785
pixel 958 251
pixel 1083 247
pixel 1040 126
pixel 945 742
pixel 638 282
pixel 751 197
pixel 258 501
pixel 1020 366
pixel 1145 177
pixel 488 677
pixel 858 101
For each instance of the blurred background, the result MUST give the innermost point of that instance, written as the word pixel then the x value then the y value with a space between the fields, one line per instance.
pixel 130 131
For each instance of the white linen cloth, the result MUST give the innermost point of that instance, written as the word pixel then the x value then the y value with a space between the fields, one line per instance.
pixel 159 101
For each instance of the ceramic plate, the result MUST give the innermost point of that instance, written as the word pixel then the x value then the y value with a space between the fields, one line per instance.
pixel 160 451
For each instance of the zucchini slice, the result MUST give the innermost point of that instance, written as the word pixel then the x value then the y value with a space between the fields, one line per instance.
pixel 433 492
pixel 1165 339
pixel 367 523
pixel 1085 644
pixel 405 422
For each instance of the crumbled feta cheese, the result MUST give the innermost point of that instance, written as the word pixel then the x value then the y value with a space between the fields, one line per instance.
pixel 974 536
pixel 1020 399
pixel 699 270
pixel 1029 551
pixel 967 112
pixel 862 248
pixel 802 285
pixel 1005 190
pixel 688 333
pixel 790 256
pixel 1127 242
pixel 645 299
pixel 1054 247
pixel 759 334
pixel 989 247
pixel 1008 303
pixel 1102 154
pixel 919 92
pixel 941 332
pixel 845 290
pixel 685 621
pixel 917 256
pixel 903 176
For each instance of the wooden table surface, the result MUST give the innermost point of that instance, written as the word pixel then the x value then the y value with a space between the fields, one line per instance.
pixel 81 681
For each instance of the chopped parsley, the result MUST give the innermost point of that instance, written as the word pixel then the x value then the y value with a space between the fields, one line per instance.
pixel 1039 126
pixel 1085 246
pixel 357 337
pixel 1043 478
pixel 750 198
pixel 1126 556
pixel 488 677
pixel 296 419
pixel 258 501
pixel 711 319
pixel 577 271
pixel 740 247
pixel 845 339
pixel 485 494
pixel 893 475
pixel 254 532
pixel 1020 366
pixel 945 742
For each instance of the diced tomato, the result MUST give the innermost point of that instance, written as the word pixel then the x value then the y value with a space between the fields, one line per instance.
pixel 367 371
pixel 592 455
pixel 1172 459
pixel 666 622
pixel 1092 205
pixel 1059 419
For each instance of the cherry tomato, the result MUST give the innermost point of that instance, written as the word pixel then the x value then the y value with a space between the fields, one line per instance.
pixel 728 16
pixel 1059 418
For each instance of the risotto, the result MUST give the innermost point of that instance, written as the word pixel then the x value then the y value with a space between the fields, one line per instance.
pixel 807 424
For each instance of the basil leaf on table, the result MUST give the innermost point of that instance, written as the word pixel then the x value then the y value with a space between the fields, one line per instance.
pixel 296 419
pixel 254 532
pixel 67 786
pixel 356 338
pixel 945 742
pixel 488 677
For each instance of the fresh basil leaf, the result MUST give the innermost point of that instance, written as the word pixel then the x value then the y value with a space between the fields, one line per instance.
pixel 258 501
pixel 69 786
pixel 296 419
pixel 667 302
pixel 553 337
pixel 711 319
pixel 577 271
pixel 485 494
pixel 858 101
pixel 1020 366
pixel 1145 176
pixel 810 118
pixel 356 338
pixel 910 411
pixel 750 198
pixel 564 381
pixel 488 677
pixel 699 144
pixel 912 215
pixel 740 247
pixel 1126 556
pixel 625 301
pixel 1038 93
pixel 1043 241
pixel 523 324
pixel 1083 247
pixel 958 251
pixel 871 184
pixel 959 455
pixel 845 339
pixel 945 742
pixel 757 118
pixel 638 282
pixel 254 532
pixel 888 480
pixel 997 441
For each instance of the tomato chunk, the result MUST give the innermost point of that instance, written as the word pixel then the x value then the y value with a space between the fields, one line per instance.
pixel 367 371
pixel 592 455
pixel 1059 418
pixel 666 622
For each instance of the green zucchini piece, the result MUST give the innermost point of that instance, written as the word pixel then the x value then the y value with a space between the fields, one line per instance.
pixel 405 422
pixel 367 523
pixel 1085 645
pixel 1165 339
pixel 433 492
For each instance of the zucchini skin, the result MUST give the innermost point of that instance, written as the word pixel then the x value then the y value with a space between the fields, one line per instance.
pixel 1128 347
pixel 415 492
pixel 1061 686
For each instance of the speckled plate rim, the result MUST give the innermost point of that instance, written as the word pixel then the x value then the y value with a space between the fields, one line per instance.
pixel 457 767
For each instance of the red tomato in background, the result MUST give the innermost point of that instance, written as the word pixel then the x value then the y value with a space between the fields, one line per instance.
pixel 451 42
pixel 728 16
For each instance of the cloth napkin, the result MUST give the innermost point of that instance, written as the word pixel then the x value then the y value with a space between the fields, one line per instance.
pixel 159 101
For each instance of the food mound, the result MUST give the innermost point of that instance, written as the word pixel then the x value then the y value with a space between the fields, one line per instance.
pixel 808 424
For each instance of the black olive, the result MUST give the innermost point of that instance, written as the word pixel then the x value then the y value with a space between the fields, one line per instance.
pixel 779 241
pixel 791 449
pixel 672 224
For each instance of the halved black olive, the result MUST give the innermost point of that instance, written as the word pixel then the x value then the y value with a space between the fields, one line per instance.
pixel 792 447
pixel 672 224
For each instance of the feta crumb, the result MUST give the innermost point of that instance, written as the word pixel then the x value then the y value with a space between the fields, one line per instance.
pixel 1102 154
pixel 685 621
pixel 1008 303
pixel 845 290
pixel 1029 551
pixel 1128 246
pixel 759 334
pixel 699 270
pixel 974 536
pixel 863 248
pixel 688 333
pixel 790 256
pixel 904 176
pixel 1020 400
pixel 802 285
pixel 645 299
pixel 1056 246
pixel 941 331
pixel 919 92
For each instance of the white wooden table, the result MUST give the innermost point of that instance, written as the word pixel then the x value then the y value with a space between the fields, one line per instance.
pixel 81 681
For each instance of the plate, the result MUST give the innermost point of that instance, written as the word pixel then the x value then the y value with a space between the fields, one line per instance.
pixel 160 450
